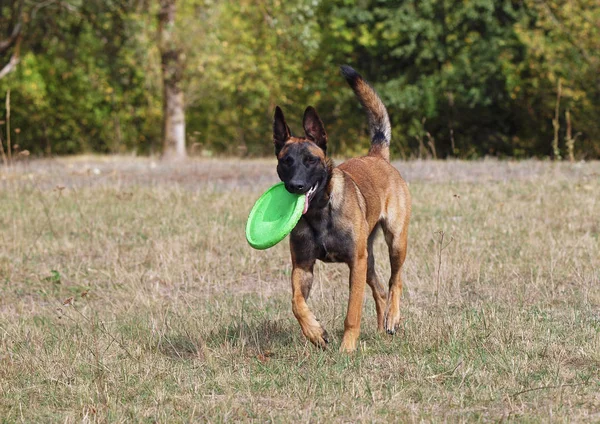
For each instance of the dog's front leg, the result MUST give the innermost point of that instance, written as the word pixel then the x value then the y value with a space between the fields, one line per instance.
pixel 302 278
pixel 358 279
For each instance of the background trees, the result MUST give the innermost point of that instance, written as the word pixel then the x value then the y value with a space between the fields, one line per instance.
pixel 172 62
pixel 13 38
pixel 461 79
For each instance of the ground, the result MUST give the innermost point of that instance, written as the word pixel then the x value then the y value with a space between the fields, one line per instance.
pixel 128 293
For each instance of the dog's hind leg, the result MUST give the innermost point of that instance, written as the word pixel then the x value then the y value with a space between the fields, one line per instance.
pixel 302 279
pixel 396 237
pixel 379 293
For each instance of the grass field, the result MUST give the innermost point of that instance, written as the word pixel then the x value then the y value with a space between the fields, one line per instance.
pixel 128 293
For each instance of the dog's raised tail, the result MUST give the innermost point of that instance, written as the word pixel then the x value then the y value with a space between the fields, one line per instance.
pixel 380 129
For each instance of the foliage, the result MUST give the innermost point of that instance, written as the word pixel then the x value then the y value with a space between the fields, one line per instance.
pixel 259 59
pixel 562 39
pixel 464 79
pixel 81 86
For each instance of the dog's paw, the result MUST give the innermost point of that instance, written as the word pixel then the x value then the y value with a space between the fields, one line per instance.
pixel 325 336
pixel 317 335
pixel 348 344
pixel 392 318
pixel 321 341
pixel 349 340
pixel 392 323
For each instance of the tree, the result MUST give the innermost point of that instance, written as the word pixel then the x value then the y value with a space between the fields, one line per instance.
pixel 13 40
pixel 441 68
pixel 172 62
pixel 466 79
pixel 254 55
pixel 562 39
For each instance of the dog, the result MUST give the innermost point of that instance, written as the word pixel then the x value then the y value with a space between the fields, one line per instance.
pixel 344 208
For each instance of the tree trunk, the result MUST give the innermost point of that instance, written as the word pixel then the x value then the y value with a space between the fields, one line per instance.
pixel 13 40
pixel 172 71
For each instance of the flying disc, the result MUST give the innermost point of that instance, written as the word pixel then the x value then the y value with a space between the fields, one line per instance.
pixel 273 216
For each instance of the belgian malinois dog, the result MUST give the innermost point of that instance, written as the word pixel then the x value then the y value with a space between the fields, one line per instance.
pixel 344 207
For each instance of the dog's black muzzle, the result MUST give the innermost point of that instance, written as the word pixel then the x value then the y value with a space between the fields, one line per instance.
pixel 297 187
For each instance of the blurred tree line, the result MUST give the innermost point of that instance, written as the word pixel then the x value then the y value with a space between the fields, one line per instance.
pixel 464 79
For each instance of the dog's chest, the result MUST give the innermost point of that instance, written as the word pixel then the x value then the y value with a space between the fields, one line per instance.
pixel 321 237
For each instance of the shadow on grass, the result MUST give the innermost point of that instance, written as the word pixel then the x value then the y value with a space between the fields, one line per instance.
pixel 262 335
pixel 256 337
pixel 180 346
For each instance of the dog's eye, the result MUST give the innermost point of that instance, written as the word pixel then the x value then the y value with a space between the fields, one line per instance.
pixel 311 160
pixel 288 160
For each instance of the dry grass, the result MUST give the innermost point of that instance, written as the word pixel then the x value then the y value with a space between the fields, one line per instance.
pixel 170 316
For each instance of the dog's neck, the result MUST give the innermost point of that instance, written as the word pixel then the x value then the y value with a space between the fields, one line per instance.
pixel 323 195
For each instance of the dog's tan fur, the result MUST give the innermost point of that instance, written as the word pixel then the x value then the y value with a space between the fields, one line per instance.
pixel 360 196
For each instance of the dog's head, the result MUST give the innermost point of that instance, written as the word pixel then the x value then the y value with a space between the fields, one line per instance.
pixel 302 162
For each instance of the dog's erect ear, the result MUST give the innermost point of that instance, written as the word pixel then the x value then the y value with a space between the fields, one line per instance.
pixel 281 132
pixel 314 129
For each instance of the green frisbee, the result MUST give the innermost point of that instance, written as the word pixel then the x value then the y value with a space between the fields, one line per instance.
pixel 273 216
